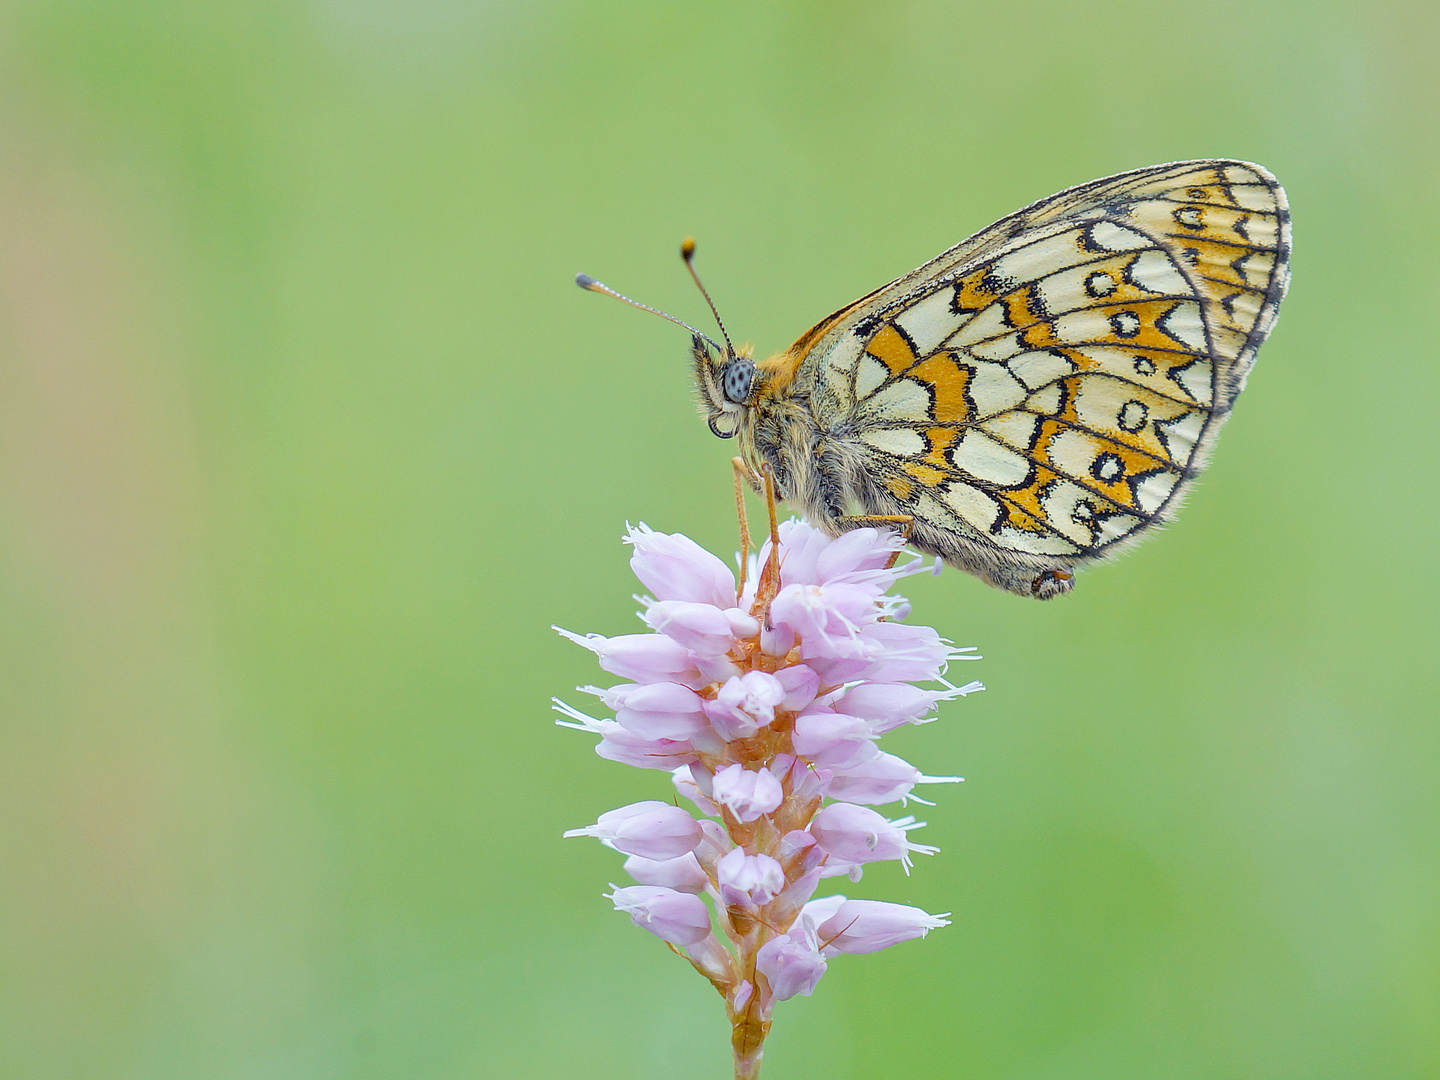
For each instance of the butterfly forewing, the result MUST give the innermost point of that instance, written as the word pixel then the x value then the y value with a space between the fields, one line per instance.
pixel 1051 384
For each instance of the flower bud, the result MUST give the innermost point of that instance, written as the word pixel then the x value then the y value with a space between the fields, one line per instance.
pixel 833 740
pixel 866 926
pixel 674 567
pixel 882 779
pixel 792 964
pixel 652 830
pixel 676 917
pixel 683 874
pixel 745 704
pixel 857 834
pixel 748 793
pixel 661 710
pixel 702 628
pixel 748 879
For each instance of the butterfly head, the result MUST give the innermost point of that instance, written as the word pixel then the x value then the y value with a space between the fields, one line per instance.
pixel 726 386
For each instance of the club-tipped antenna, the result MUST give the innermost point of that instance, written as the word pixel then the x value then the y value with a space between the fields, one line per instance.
pixel 687 252
pixel 585 281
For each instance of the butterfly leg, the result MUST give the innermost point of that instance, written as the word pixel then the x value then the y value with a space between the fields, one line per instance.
pixel 769 584
pixel 901 523
pixel 742 476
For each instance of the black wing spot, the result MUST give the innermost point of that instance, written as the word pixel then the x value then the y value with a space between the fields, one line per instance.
pixel 1107 468
pixel 1189 217
pixel 1126 324
pixel 1132 416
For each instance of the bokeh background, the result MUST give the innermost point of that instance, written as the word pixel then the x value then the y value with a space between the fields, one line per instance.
pixel 306 439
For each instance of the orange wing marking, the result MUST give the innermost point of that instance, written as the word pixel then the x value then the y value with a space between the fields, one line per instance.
pixel 948 382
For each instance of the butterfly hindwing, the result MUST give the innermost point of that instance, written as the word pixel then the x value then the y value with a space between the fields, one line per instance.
pixel 1050 385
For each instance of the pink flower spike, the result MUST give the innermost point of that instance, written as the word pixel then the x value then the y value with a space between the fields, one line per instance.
pixel 866 926
pixel 676 917
pixel 653 830
pixel 674 567
pixel 751 880
pixel 762 712
pixel 857 834
pixel 748 793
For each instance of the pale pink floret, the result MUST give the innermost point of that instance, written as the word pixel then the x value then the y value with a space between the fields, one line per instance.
pixel 679 918
pixel 745 704
pixel 885 778
pixel 702 628
pixel 674 567
pixel 857 834
pixel 684 874
pixel 753 880
pixel 792 963
pixel 834 740
pixel 661 710
pixel 650 829
pixel 866 926
pixel 747 793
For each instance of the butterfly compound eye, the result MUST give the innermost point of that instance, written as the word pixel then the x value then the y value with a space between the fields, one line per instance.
pixel 736 380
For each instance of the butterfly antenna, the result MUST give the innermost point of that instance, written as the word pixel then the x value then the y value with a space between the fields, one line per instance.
pixel 585 281
pixel 687 252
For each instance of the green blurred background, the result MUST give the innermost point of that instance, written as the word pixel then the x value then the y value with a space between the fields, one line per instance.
pixel 306 438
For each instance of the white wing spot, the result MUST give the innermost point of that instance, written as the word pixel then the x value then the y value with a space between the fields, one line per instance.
pixel 1071 452
pixel 985 459
pixel 1151 493
pixel 1099 285
pixel 1154 272
pixel 869 376
pixel 1045 401
pixel 973 505
pixel 902 442
pixel 1108 467
pixel 1132 416
pixel 1001 348
pixel 1189 217
pixel 1035 369
pixel 928 321
pixel 993 389
pixel 1107 236
pixel 1126 324
pixel 1183 323
pixel 904 399
pixel 1017 428
pixel 988 322
pixel 1195 379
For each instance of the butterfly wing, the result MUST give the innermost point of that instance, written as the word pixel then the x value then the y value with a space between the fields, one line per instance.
pixel 1049 386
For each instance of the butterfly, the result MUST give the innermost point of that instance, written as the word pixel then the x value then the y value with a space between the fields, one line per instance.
pixel 1037 398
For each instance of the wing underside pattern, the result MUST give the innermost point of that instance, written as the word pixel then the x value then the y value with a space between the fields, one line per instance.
pixel 1055 382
